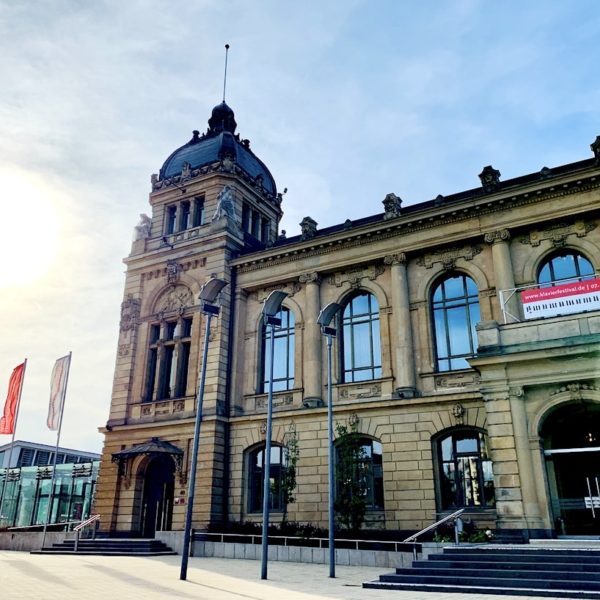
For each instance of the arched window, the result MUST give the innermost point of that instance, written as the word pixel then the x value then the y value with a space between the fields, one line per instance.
pixel 283 363
pixel 360 343
pixel 359 471
pixel 256 466
pixel 465 476
pixel 455 306
pixel 563 267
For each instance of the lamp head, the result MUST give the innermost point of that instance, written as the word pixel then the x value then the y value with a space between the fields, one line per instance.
pixel 273 304
pixel 326 316
pixel 209 293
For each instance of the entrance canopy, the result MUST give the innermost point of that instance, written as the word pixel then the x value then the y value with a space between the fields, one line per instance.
pixel 154 447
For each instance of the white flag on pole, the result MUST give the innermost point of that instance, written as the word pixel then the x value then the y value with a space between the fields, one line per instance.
pixel 58 390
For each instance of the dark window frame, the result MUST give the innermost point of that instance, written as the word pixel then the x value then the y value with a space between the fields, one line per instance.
pixel 445 359
pixel 373 471
pixel 286 333
pixel 255 481
pixel 348 323
pixel 549 265
pixel 452 487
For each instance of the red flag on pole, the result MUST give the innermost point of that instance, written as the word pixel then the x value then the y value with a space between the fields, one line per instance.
pixel 7 422
pixel 58 390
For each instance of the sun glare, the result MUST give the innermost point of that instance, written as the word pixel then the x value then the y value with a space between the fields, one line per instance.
pixel 29 237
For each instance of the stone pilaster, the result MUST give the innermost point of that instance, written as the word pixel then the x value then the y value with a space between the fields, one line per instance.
pixel 402 339
pixel 531 507
pixel 312 373
pixel 503 272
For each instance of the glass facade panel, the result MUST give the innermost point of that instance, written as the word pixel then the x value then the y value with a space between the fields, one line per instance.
pixel 27 494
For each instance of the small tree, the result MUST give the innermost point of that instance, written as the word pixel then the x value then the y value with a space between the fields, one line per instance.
pixel 350 474
pixel 288 479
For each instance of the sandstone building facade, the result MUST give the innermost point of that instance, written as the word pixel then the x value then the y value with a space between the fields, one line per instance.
pixel 467 354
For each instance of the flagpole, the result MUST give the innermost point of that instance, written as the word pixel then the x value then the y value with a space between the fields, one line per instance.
pixel 51 497
pixel 12 442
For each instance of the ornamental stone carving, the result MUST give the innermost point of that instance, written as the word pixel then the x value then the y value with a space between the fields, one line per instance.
pixel 458 412
pixel 310 278
pixel 130 312
pixel 575 388
pixel 177 298
pixel 358 392
pixel 493 237
pixel 392 205
pixel 308 227
pixel 448 257
pixel 355 276
pixel 557 234
pixel 277 401
pixel 595 146
pixel 173 270
pixel 291 289
pixel 395 259
pixel 490 179
pixel 225 208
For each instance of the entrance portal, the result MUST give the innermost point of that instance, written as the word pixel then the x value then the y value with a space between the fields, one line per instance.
pixel 157 504
pixel 572 449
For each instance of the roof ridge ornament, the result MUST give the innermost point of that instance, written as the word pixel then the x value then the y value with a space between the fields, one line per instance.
pixel 490 179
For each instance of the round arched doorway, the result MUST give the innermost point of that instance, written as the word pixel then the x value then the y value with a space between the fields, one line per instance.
pixel 157 501
pixel 571 441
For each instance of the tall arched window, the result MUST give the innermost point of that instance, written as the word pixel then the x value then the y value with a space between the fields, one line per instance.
pixel 256 465
pixel 360 343
pixel 455 306
pixel 465 476
pixel 563 267
pixel 283 362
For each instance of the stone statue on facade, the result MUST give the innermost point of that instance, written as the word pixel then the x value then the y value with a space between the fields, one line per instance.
pixel 225 207
pixel 142 229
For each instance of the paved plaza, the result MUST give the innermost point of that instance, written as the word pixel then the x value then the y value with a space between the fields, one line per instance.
pixel 24 576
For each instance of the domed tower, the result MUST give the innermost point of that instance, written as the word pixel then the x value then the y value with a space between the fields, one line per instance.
pixel 212 199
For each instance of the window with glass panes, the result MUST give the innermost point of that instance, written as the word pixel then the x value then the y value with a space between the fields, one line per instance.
pixel 168 359
pixel 283 354
pixel 256 466
pixel 563 267
pixel 455 307
pixel 360 342
pixel 370 467
pixel 465 476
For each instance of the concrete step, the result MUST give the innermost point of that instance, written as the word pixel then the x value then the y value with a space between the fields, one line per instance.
pixel 500 572
pixel 464 589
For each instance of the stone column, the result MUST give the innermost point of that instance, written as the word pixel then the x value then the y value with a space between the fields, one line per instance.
pixel 312 372
pixel 531 507
pixel 403 350
pixel 503 272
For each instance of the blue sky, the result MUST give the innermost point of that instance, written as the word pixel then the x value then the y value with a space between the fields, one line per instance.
pixel 345 101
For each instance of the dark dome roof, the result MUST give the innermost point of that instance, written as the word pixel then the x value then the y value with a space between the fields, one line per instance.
pixel 219 141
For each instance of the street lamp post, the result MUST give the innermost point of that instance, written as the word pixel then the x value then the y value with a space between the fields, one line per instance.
pixel 270 309
pixel 208 296
pixel 325 318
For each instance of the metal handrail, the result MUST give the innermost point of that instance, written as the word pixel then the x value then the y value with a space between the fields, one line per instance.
pixel 83 525
pixel 86 522
pixel 454 515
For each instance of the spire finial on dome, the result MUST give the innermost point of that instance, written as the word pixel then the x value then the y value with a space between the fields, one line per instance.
pixel 225 75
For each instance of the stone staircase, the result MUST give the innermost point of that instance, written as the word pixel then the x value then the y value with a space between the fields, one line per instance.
pixel 556 571
pixel 109 547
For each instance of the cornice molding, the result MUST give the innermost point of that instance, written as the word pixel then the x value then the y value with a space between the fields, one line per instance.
pixel 390 229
